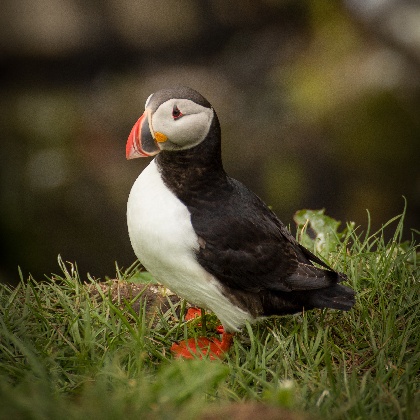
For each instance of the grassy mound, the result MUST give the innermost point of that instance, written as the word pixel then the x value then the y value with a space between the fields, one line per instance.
pixel 85 349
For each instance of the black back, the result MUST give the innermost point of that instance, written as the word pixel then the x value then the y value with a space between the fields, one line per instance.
pixel 242 242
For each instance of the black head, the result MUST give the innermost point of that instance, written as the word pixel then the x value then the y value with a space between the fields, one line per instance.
pixel 174 119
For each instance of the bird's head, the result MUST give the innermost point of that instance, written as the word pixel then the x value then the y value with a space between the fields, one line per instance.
pixel 174 119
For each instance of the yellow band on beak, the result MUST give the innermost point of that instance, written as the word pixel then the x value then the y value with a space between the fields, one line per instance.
pixel 160 138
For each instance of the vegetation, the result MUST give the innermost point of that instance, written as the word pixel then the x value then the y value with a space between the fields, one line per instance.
pixel 69 347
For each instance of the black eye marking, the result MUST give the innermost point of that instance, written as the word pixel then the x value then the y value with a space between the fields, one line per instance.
pixel 176 113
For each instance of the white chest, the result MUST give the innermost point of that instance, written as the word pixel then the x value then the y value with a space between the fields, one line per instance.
pixel 165 242
pixel 159 227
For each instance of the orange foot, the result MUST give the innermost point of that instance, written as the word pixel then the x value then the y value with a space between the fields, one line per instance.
pixel 202 346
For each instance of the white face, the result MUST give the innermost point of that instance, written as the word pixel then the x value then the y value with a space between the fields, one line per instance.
pixel 183 122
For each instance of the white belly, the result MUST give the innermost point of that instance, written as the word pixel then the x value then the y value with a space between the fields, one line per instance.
pixel 165 242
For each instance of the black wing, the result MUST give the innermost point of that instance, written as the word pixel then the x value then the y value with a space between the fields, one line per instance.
pixel 245 246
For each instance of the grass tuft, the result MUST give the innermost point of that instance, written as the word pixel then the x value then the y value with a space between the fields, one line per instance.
pixel 90 350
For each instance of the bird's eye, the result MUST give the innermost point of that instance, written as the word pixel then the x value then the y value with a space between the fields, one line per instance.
pixel 176 113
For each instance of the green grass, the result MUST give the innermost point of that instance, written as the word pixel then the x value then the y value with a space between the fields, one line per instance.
pixel 64 354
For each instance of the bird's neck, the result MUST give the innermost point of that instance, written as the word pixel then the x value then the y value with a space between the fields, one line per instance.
pixel 197 169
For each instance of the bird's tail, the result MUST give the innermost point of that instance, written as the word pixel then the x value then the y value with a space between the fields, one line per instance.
pixel 334 297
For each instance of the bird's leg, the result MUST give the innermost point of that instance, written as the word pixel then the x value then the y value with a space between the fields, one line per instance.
pixel 203 322
pixel 202 346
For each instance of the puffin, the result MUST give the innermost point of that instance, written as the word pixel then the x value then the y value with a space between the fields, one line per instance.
pixel 206 236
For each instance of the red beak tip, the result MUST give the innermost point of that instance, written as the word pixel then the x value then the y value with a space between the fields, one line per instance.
pixel 133 142
pixel 134 148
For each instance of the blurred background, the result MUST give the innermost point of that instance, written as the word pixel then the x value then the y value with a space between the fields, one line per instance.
pixel 319 103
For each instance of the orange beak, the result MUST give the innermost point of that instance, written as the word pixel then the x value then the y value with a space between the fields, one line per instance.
pixel 140 142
